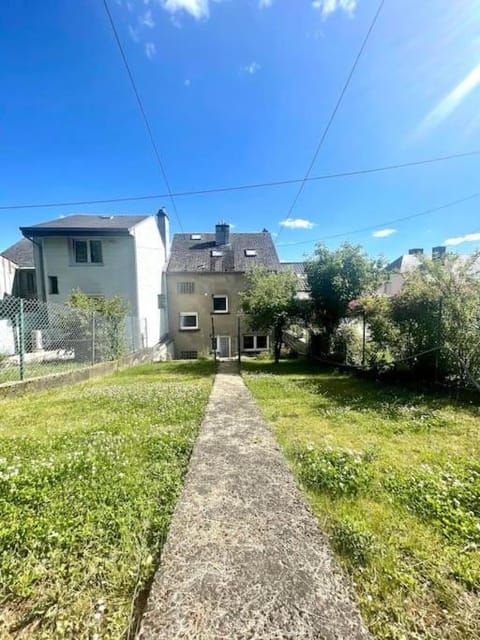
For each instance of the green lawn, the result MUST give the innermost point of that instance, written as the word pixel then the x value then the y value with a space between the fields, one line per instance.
pixel 38 369
pixel 89 475
pixel 394 479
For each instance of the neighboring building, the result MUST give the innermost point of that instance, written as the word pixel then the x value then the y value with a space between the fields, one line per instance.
pixel 205 275
pixel 17 270
pixel 103 256
pixel 298 269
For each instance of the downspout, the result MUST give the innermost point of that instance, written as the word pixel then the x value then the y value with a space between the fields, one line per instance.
pixel 137 289
pixel 41 274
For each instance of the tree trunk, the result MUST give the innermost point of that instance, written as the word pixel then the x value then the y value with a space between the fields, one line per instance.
pixel 277 342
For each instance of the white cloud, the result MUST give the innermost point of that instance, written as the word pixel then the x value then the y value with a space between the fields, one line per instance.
pixel 147 20
pixel 297 223
pixel 451 101
pixel 133 33
pixel 468 237
pixel 196 8
pixel 327 7
pixel 383 233
pixel 150 50
pixel 265 3
pixel 187 82
pixel 252 68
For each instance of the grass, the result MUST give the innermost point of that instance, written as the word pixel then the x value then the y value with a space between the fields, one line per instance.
pixel 38 369
pixel 89 476
pixel 393 477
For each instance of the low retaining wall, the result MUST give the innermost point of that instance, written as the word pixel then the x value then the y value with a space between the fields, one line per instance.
pixel 158 353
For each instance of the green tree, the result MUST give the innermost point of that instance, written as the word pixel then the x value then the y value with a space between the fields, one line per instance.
pixel 336 279
pixel 271 304
pixel 110 314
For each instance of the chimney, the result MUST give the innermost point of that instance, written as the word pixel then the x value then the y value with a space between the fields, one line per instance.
pixel 438 253
pixel 415 252
pixel 222 234
pixel 163 224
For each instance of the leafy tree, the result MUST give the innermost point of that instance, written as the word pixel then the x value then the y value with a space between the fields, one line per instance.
pixel 336 279
pixel 110 314
pixel 270 302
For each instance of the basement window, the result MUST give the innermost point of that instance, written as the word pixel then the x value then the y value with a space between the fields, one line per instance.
pixel 188 355
pixel 188 321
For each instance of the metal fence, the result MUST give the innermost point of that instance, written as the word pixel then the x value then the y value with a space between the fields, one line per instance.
pixel 37 338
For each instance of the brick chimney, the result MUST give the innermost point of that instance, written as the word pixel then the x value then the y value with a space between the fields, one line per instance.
pixel 163 224
pixel 222 234
pixel 438 253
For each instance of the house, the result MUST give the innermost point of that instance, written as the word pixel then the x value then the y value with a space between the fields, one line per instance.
pixel 103 256
pixel 298 269
pixel 17 270
pixel 205 275
pixel 398 268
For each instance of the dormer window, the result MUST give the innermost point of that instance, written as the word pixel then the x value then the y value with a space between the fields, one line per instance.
pixel 250 253
pixel 216 254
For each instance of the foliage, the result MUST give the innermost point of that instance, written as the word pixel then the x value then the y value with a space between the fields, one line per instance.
pixel 336 279
pixel 89 476
pixel 338 472
pixel 270 302
pixel 108 315
pixel 410 550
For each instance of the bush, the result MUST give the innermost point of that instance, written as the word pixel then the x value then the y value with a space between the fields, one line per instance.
pixel 337 472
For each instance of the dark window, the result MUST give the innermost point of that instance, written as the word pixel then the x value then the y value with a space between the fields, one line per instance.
pixel 81 250
pixel 261 342
pixel 188 355
pixel 189 321
pixel 220 304
pixel 96 251
pixel 53 285
pixel 248 342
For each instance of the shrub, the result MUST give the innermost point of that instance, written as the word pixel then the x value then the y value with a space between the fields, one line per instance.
pixel 338 472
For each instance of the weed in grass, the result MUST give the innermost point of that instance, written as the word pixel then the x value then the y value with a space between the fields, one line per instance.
pixel 354 542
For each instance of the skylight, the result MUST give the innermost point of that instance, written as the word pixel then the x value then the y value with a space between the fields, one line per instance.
pixel 216 254
pixel 250 253
pixel 196 236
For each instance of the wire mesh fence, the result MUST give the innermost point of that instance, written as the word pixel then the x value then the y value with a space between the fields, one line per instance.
pixel 38 338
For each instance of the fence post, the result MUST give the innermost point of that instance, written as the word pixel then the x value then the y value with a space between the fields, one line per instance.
pixel 21 340
pixel 214 344
pixel 364 339
pixel 239 342
pixel 93 337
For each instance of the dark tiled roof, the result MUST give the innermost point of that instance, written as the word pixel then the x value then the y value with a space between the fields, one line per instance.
pixel 189 255
pixel 75 224
pixel 21 253
pixel 296 267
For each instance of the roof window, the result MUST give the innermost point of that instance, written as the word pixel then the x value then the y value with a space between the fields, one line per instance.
pixel 196 236
pixel 216 254
pixel 250 253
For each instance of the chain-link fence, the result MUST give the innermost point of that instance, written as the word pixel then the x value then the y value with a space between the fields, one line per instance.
pixel 37 338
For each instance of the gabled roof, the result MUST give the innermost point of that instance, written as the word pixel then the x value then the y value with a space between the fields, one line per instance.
pixel 20 253
pixel 404 263
pixel 79 224
pixel 296 267
pixel 187 255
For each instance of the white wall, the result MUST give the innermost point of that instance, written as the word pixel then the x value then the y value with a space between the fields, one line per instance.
pixel 7 340
pixel 150 261
pixel 7 275
pixel 116 276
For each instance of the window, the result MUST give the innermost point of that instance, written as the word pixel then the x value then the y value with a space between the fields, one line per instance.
pixel 250 253
pixel 85 251
pixel 188 355
pixel 162 301
pixel 255 343
pixel 220 304
pixel 195 236
pixel 216 254
pixel 185 287
pixel 53 285
pixel 188 321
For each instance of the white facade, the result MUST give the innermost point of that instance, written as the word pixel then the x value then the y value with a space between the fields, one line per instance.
pixel 7 276
pixel 132 266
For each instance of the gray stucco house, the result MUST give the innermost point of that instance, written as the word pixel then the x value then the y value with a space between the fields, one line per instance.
pixel 205 275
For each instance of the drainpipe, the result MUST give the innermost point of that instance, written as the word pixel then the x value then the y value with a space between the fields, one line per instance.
pixel 41 272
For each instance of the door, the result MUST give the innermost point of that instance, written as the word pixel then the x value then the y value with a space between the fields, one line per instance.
pixel 223 346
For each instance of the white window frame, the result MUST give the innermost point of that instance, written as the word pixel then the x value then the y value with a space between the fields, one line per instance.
pixel 88 242
pixel 255 347
pixel 218 296
pixel 183 314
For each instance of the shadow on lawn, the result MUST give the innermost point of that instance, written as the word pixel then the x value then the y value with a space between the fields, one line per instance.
pixel 346 390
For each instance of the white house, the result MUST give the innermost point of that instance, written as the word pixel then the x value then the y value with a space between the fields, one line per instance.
pixel 103 256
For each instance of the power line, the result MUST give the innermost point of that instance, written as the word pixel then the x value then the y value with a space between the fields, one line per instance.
pixel 425 212
pixel 142 111
pixel 244 187
pixel 337 106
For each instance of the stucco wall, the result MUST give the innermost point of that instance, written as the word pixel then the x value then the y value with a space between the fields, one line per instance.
pixel 150 260
pixel 206 285
pixel 116 276
pixel 7 275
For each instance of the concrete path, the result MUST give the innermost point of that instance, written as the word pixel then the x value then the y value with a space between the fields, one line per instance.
pixel 245 558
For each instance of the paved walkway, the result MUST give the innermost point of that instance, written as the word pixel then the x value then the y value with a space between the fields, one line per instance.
pixel 245 558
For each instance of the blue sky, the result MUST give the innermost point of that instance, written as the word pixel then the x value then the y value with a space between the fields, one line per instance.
pixel 239 91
